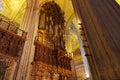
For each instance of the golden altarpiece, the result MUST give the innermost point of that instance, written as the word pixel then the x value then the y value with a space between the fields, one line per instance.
pixel 50 60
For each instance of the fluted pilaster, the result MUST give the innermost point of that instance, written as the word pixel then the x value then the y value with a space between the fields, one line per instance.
pixel 30 24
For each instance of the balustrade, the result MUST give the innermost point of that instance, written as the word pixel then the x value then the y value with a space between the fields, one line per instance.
pixel 12 28
pixel 10 42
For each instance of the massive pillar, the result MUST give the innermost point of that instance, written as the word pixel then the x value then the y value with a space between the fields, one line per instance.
pixel 30 23
pixel 101 21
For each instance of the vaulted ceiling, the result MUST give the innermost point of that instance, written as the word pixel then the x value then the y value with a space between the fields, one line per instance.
pixel 13 9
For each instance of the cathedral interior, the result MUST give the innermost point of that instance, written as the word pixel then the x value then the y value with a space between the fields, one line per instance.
pixel 59 40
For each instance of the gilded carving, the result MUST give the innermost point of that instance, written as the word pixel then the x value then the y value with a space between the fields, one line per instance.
pixel 50 62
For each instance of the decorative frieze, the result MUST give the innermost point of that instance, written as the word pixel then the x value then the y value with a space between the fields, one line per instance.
pixel 51 60
pixel 43 71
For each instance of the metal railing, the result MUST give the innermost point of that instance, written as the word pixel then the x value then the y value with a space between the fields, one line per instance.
pixel 10 44
pixel 11 27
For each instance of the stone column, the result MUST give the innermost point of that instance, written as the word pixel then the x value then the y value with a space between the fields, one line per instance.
pixel 9 73
pixel 13 70
pixel 101 21
pixel 30 23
